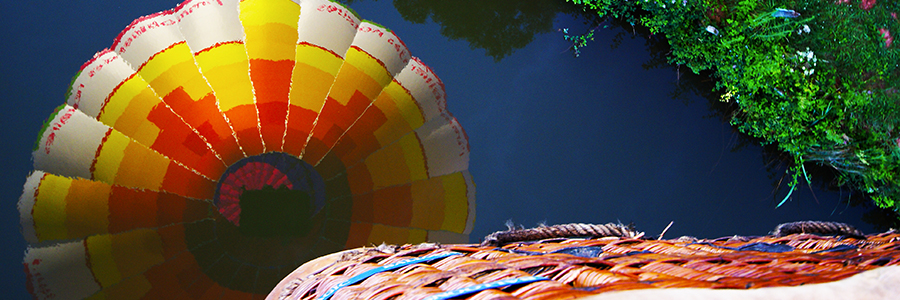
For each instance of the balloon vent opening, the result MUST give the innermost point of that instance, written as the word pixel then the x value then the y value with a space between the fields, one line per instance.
pixel 271 194
pixel 270 212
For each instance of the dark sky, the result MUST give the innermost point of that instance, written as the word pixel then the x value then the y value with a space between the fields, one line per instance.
pixel 553 138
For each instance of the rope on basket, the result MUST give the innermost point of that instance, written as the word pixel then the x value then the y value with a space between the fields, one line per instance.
pixel 817 227
pixel 500 238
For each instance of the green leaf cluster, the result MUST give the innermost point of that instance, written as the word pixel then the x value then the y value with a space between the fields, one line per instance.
pixel 813 77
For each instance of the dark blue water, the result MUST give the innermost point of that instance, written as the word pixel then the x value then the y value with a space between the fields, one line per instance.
pixel 554 138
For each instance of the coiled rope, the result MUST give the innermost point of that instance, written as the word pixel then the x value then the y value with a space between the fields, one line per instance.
pixel 500 238
pixel 817 227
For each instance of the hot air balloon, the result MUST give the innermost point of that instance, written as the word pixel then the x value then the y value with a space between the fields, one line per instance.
pixel 216 146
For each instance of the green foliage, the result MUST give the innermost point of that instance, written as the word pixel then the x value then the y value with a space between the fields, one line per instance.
pixel 578 41
pixel 813 77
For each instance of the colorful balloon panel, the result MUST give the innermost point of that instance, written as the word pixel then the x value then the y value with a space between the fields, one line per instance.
pixel 61 208
pixel 108 89
pixel 326 31
pixel 270 29
pixel 73 144
pixel 413 204
pixel 217 146
pixel 155 47
pixel 374 57
pixel 213 31
pixel 415 96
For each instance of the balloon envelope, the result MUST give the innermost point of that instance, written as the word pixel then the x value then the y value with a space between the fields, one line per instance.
pixel 215 147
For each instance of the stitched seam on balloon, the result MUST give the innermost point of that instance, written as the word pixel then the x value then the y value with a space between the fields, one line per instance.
pixel 97 154
pixel 320 47
pixel 424 155
pixel 158 53
pixel 113 92
pixel 421 112
pixel 216 45
pixel 316 121
pixel 373 57
pixel 36 190
pixel 87 260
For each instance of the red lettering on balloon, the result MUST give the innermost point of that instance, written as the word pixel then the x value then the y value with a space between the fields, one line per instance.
pixel 340 11
pixel 57 126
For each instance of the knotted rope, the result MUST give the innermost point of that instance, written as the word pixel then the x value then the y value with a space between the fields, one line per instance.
pixel 500 238
pixel 817 227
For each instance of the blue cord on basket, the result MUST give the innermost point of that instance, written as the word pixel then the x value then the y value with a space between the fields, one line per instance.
pixel 484 286
pixel 362 276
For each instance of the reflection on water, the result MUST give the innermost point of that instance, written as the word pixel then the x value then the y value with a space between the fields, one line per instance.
pixel 499 27
pixel 617 134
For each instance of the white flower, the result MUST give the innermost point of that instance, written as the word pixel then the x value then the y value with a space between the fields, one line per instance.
pixel 712 30
pixel 809 55
pixel 806 28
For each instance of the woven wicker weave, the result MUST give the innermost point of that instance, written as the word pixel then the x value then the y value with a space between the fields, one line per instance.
pixel 583 267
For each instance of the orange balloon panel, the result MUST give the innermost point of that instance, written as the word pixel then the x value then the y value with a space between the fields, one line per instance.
pixel 217 146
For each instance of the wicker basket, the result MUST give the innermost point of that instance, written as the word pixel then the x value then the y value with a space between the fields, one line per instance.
pixel 562 268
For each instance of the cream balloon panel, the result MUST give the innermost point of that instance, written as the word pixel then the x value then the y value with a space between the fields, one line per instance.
pixel 123 199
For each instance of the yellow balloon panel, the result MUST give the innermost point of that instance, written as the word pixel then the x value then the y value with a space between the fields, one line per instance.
pixel 270 29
